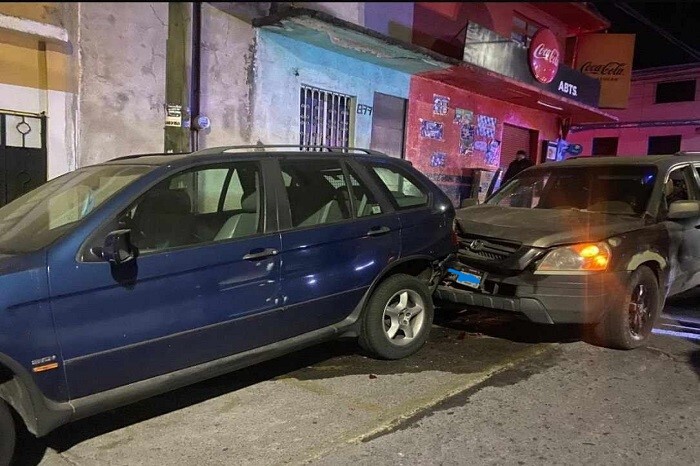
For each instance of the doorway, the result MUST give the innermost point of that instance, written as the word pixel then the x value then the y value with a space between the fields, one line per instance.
pixel 516 138
pixel 388 124
pixel 22 154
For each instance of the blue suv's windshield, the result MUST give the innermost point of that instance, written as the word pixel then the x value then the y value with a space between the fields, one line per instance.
pixel 38 218
pixel 620 190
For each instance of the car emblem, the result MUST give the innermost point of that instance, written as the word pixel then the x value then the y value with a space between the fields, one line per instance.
pixel 476 245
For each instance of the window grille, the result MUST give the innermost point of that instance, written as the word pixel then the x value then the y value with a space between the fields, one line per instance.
pixel 324 118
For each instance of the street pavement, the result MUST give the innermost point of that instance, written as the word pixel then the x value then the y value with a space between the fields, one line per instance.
pixel 486 389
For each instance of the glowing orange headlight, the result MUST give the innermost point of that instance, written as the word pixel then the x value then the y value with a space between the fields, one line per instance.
pixel 579 258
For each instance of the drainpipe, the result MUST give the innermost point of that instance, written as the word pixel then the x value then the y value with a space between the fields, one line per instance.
pixel 195 74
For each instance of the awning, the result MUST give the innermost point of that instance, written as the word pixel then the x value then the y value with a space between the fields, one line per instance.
pixel 330 33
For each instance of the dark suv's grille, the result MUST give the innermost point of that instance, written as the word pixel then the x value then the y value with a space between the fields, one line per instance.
pixel 489 249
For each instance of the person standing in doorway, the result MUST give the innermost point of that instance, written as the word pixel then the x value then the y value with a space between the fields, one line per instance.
pixel 521 162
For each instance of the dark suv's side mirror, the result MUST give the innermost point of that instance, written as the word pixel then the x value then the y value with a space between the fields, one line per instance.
pixel 680 210
pixel 117 248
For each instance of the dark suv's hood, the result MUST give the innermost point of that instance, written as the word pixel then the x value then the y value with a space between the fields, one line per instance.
pixel 543 228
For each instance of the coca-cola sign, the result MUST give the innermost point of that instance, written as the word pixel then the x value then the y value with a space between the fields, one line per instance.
pixel 613 68
pixel 544 56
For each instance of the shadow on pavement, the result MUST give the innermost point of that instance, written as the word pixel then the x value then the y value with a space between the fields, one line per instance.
pixel 695 361
pixel 32 450
pixel 456 345
pixel 506 326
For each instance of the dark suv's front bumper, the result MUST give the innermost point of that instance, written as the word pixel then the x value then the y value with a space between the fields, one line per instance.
pixel 547 299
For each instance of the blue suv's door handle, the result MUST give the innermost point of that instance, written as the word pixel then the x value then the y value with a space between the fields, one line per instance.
pixel 260 254
pixel 378 231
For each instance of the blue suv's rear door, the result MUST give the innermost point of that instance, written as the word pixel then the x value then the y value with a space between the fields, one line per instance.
pixel 337 236
pixel 203 287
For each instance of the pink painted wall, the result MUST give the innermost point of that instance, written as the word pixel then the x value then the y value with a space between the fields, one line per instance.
pixel 641 107
pixel 419 149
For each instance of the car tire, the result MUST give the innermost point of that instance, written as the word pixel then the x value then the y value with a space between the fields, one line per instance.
pixel 8 434
pixel 397 318
pixel 630 326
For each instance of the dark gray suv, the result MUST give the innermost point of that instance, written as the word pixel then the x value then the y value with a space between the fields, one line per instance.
pixel 595 241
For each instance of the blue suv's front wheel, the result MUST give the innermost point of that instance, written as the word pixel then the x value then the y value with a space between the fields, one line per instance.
pixel 397 320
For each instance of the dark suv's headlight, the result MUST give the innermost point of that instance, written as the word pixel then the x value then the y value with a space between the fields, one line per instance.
pixel 576 259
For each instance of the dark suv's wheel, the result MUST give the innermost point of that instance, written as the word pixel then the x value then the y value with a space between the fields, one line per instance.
pixel 397 318
pixel 8 434
pixel 630 326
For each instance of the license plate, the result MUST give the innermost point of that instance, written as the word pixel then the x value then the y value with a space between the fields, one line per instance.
pixel 471 279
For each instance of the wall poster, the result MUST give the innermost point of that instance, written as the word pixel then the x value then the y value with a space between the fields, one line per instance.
pixel 431 129
pixel 440 104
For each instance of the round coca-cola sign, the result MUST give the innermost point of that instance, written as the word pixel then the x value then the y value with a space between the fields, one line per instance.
pixel 544 55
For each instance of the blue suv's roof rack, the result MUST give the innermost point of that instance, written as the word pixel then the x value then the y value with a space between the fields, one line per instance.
pixel 301 148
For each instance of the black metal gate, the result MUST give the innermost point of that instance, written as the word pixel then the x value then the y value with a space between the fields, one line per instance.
pixel 22 154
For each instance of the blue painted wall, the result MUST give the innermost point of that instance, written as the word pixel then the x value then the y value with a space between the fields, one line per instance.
pixel 283 64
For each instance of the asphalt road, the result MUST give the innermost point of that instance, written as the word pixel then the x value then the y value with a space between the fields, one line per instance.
pixel 486 389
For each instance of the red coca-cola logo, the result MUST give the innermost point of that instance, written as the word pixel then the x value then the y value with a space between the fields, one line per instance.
pixel 544 56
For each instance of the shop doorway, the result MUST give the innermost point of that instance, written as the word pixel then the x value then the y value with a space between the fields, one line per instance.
pixel 516 138
pixel 22 154
pixel 388 124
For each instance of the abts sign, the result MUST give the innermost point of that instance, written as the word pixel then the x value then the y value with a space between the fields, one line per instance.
pixel 543 56
pixel 541 65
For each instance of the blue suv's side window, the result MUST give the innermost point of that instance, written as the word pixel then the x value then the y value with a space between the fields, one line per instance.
pixel 316 190
pixel 200 205
pixel 405 191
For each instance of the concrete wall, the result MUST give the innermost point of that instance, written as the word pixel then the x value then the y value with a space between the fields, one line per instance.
pixel 122 83
pixel 284 64
pixel 226 61
pixel 394 19
pixel 348 11
pixel 634 141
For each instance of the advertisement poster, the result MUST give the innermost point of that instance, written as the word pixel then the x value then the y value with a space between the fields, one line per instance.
pixel 431 130
pixel 608 58
pixel 466 139
pixel 438 159
pixel 486 126
pixel 492 152
pixel 440 104
pixel 463 116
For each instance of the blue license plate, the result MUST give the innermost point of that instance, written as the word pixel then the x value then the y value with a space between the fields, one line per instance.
pixel 470 279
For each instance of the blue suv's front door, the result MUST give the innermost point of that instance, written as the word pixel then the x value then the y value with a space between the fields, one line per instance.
pixel 205 284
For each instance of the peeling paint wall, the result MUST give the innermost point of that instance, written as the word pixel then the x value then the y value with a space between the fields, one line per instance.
pixel 284 64
pixel 122 83
pixel 226 58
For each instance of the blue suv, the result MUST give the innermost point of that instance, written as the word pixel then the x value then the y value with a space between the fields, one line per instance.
pixel 147 273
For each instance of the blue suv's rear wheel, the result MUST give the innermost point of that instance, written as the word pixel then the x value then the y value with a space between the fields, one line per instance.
pixel 7 434
pixel 397 320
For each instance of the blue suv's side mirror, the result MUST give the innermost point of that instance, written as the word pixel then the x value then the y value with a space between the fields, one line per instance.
pixel 117 248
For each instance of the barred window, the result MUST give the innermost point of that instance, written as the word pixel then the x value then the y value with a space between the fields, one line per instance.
pixel 324 118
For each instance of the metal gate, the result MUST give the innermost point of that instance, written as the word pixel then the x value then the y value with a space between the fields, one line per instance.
pixel 22 154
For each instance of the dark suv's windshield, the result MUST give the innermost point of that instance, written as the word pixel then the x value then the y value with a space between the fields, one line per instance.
pixel 36 219
pixel 622 190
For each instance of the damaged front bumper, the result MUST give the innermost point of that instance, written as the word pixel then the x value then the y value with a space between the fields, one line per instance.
pixel 546 299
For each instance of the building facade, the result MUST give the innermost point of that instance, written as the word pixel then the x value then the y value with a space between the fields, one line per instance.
pixel 413 80
pixel 663 116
